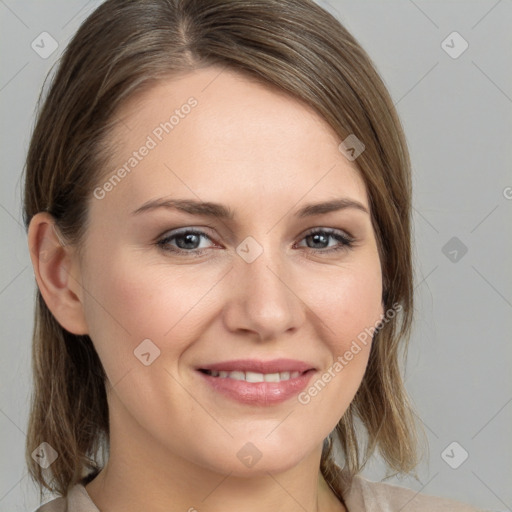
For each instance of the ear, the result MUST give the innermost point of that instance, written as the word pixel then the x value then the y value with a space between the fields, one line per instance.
pixel 57 272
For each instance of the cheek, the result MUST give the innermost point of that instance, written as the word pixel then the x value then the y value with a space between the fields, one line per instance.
pixel 349 308
pixel 128 303
pixel 348 302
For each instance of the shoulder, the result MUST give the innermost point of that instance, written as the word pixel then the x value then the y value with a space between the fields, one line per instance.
pixel 367 496
pixel 55 505
pixel 77 500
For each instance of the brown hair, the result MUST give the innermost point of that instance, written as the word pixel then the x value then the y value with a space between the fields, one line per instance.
pixel 126 46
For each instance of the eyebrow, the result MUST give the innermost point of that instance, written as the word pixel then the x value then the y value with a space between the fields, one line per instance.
pixel 216 210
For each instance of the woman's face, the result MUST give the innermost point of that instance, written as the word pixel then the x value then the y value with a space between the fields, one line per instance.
pixel 183 302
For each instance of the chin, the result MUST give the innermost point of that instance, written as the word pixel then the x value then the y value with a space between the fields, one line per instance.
pixel 246 459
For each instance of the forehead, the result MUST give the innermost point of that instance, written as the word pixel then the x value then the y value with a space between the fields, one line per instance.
pixel 215 132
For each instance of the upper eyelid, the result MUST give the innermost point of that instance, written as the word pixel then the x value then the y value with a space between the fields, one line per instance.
pixel 183 231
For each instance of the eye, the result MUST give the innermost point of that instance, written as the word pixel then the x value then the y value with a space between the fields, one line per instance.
pixel 318 240
pixel 188 240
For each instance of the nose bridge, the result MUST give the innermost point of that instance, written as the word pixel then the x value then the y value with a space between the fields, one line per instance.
pixel 264 300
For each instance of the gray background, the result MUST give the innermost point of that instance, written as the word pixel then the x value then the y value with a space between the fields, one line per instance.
pixel 457 117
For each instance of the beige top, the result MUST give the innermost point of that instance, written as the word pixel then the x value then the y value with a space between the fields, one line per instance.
pixel 364 496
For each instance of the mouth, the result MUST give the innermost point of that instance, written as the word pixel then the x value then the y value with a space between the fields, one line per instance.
pixel 254 376
pixel 258 383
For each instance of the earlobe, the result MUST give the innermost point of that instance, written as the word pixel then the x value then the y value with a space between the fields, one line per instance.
pixel 56 271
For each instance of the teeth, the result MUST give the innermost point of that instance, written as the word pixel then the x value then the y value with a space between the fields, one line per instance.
pixel 255 376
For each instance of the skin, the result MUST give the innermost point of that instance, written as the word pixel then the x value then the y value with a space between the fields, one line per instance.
pixel 263 154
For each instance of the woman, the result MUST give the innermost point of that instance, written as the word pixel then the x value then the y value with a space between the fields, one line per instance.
pixel 218 210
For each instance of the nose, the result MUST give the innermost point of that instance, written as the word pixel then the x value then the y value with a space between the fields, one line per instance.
pixel 263 298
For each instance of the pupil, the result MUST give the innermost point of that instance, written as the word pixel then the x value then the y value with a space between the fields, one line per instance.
pixel 189 239
pixel 319 239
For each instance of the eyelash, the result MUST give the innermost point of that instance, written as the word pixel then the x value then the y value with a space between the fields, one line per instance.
pixel 346 241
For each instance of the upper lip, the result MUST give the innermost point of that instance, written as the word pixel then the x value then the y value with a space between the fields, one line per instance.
pixel 258 366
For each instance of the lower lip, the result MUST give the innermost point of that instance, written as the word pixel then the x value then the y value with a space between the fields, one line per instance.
pixel 258 393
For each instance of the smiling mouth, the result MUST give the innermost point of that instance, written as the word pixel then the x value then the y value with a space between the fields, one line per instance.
pixel 254 376
pixel 257 382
